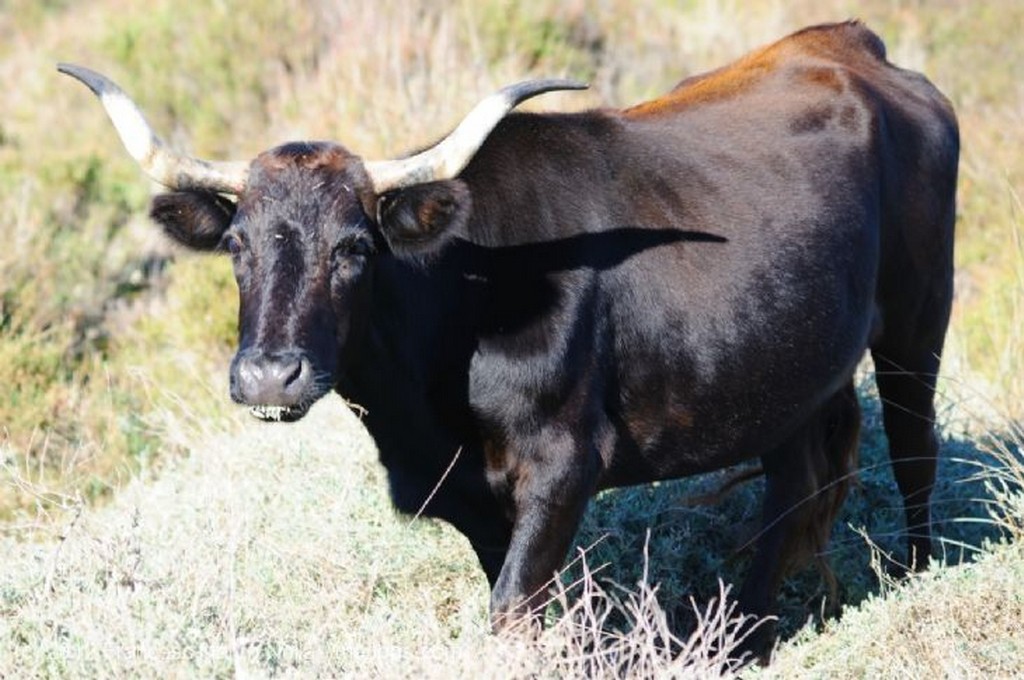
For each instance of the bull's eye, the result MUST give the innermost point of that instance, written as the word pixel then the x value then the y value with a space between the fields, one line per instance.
pixel 349 248
pixel 349 257
pixel 359 248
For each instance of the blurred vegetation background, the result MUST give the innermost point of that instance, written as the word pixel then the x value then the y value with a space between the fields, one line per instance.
pixel 104 329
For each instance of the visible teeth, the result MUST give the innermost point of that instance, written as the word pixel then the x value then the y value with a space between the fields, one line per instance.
pixel 268 412
pixel 286 414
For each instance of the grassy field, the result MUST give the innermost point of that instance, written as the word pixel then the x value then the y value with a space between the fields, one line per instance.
pixel 147 526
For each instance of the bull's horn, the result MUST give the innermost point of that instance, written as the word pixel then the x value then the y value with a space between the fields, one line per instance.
pixel 170 169
pixel 447 158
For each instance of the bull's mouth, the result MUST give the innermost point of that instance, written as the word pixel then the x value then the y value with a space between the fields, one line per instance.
pixel 278 414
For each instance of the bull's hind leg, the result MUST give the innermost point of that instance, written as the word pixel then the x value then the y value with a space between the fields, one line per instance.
pixel 906 385
pixel 806 482
pixel 907 357
pixel 914 297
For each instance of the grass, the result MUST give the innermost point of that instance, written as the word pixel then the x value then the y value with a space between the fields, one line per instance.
pixel 275 561
pixel 275 552
pixel 957 621
pixel 686 545
pixel 194 566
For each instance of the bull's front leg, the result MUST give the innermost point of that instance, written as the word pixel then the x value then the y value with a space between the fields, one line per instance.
pixel 549 478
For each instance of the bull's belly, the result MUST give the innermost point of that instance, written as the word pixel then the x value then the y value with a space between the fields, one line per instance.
pixel 704 432
pixel 672 450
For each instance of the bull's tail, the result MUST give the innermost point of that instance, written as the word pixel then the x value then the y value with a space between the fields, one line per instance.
pixel 830 457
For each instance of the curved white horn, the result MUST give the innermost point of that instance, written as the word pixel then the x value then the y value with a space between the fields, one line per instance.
pixel 170 169
pixel 447 158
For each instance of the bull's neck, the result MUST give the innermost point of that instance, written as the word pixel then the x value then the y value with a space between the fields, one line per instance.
pixel 420 330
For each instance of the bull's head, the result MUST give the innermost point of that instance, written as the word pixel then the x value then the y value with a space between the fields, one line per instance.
pixel 303 233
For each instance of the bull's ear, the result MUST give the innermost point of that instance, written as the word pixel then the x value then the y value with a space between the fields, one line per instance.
pixel 419 220
pixel 195 219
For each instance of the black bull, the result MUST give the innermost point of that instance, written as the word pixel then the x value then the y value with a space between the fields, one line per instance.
pixel 610 297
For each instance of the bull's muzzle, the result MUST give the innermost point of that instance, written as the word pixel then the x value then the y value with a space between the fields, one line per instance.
pixel 278 386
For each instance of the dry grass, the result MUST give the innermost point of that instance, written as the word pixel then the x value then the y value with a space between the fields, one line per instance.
pixel 958 622
pixel 276 553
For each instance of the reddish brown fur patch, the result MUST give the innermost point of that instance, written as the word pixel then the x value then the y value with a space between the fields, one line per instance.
pixel 720 84
pixel 683 418
pixel 305 155
pixel 433 212
pixel 823 76
pixel 847 43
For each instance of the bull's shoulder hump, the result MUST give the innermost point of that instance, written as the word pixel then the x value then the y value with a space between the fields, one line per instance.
pixel 849 45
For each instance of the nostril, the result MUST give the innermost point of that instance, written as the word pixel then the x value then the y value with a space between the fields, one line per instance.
pixel 292 373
